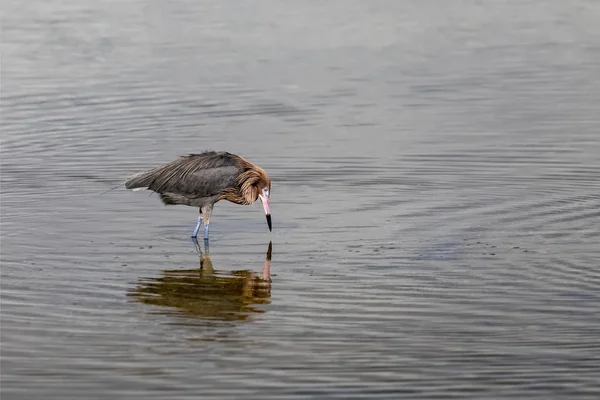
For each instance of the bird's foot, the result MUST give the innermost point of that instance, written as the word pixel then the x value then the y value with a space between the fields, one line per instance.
pixel 198 247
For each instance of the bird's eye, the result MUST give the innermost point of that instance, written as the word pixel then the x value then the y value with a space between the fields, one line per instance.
pixel 265 191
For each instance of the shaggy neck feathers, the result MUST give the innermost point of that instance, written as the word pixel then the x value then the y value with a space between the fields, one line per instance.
pixel 249 184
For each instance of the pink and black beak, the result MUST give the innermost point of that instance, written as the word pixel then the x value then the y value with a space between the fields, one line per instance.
pixel 264 197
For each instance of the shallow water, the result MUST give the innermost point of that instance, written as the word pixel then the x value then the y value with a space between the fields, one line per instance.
pixel 436 200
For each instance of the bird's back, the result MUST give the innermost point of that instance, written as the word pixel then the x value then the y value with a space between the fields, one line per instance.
pixel 191 178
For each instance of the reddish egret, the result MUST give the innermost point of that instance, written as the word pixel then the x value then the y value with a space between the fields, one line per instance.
pixel 200 180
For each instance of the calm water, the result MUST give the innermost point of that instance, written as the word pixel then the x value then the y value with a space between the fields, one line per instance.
pixel 436 200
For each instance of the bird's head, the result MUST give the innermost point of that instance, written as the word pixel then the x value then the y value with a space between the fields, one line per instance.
pixel 256 184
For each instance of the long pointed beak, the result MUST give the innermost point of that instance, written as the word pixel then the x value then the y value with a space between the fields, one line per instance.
pixel 267 207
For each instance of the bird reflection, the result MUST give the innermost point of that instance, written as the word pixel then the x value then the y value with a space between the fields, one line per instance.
pixel 209 293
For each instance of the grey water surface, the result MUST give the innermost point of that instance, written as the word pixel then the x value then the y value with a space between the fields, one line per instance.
pixel 435 200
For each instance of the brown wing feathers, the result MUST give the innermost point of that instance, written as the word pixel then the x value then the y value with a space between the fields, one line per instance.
pixel 166 177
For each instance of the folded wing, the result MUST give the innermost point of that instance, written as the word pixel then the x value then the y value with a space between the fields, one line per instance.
pixel 194 176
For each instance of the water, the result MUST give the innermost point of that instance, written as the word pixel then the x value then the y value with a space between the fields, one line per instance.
pixel 435 200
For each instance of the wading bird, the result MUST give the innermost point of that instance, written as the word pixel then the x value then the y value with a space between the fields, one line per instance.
pixel 200 180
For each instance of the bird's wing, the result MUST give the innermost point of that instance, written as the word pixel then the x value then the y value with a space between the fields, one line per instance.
pixel 199 175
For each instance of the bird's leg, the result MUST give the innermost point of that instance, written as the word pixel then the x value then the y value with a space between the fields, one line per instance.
pixel 197 228
pixel 206 213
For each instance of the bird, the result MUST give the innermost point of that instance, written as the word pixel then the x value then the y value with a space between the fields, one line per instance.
pixel 200 180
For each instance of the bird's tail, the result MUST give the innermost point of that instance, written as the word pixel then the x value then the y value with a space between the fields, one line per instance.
pixel 140 181
pixel 137 182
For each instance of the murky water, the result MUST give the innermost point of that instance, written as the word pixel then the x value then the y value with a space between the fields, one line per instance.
pixel 436 200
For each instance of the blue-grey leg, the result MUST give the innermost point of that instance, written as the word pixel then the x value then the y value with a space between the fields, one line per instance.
pixel 206 213
pixel 197 228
